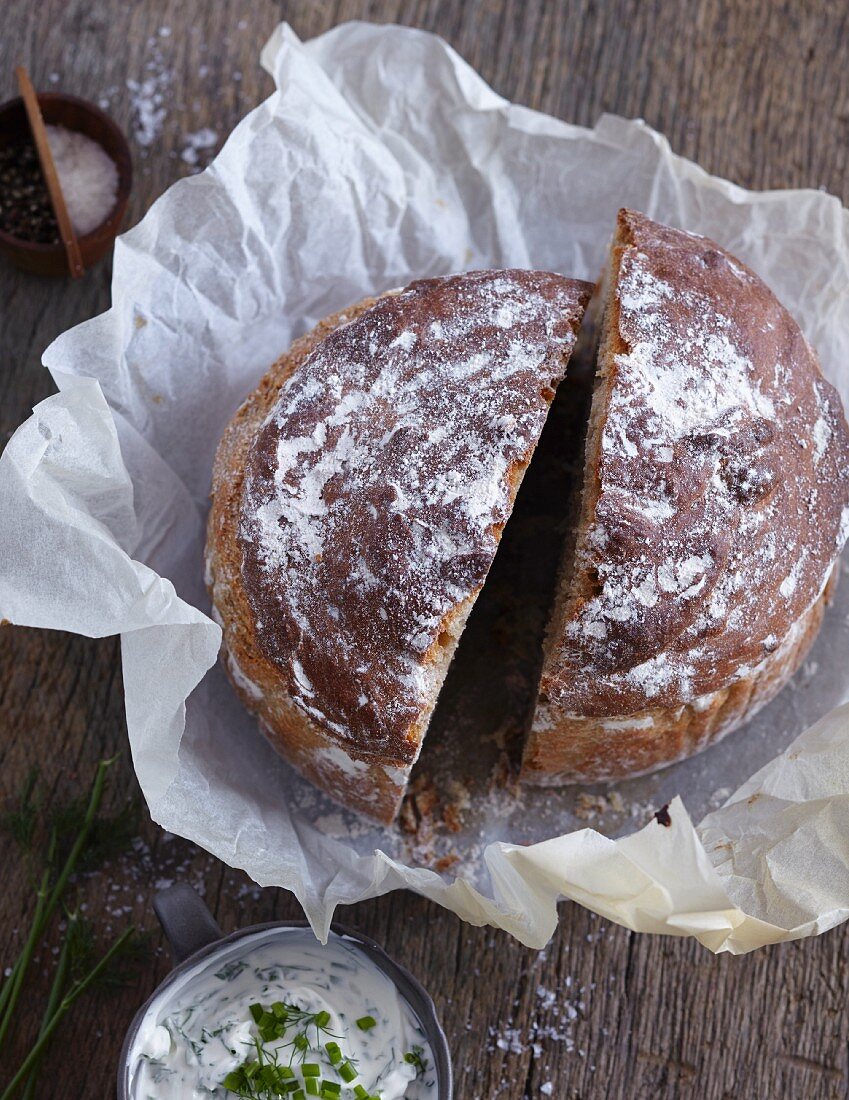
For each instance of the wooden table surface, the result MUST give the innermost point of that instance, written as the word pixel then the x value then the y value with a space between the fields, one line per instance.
pixel 755 90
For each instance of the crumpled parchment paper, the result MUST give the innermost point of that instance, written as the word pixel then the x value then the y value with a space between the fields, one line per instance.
pixel 382 157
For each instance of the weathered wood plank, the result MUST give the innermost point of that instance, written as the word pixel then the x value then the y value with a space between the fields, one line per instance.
pixel 758 92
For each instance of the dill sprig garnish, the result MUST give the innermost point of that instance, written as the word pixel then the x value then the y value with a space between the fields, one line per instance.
pixel 20 822
pixel 127 963
pixel 110 834
pixel 273 1023
pixel 416 1057
pixel 34 828
pixel 267 1074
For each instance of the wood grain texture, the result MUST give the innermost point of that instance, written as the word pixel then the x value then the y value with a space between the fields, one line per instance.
pixel 757 91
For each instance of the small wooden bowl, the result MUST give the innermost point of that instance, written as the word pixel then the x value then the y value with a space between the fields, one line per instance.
pixel 86 118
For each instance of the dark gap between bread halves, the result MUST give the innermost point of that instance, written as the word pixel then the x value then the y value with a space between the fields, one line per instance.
pixel 477 732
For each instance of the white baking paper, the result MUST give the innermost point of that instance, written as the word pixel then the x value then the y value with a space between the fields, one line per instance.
pixel 382 157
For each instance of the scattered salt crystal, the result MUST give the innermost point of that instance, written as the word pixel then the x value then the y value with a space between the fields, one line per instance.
pixel 146 99
pixel 87 175
pixel 147 96
pixel 195 143
pixel 510 1040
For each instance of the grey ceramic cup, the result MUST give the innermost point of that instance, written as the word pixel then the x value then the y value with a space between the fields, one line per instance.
pixel 194 936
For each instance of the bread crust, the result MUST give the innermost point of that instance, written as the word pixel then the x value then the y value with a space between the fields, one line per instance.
pixel 563 748
pixel 364 785
pixel 362 756
pixel 716 501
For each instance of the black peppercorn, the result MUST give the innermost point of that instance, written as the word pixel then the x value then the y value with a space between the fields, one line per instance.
pixel 25 210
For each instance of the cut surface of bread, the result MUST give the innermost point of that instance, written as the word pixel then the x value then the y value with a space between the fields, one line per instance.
pixel 359 495
pixel 715 503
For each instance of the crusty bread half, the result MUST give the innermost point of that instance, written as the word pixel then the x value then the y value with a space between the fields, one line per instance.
pixel 358 499
pixel 715 503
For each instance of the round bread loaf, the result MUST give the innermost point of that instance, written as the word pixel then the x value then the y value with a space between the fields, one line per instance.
pixel 715 503
pixel 358 499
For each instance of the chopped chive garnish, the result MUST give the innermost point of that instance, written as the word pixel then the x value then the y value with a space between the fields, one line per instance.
pixel 263 1076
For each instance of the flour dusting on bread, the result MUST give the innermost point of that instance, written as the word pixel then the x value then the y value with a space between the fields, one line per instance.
pixel 377 487
pixel 361 491
pixel 717 469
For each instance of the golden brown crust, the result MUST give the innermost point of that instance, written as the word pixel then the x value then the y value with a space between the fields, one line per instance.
pixel 369 787
pixel 716 501
pixel 324 661
pixel 563 748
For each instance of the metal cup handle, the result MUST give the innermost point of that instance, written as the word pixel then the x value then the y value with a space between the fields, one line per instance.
pixel 187 923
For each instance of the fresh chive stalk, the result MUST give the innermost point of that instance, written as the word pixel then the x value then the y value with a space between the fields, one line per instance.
pixel 47 905
pixel 48 899
pixel 76 990
pixel 59 980
pixel 12 987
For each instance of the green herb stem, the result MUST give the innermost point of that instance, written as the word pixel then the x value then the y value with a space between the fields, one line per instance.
pixel 46 908
pixel 12 988
pixel 94 801
pixel 79 987
pixel 59 980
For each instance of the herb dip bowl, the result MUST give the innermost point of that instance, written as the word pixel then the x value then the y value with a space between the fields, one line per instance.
pixel 196 939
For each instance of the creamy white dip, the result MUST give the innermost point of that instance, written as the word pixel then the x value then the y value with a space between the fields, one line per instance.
pixel 201 1028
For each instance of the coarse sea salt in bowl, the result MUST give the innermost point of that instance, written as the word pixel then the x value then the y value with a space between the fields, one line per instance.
pixel 96 195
